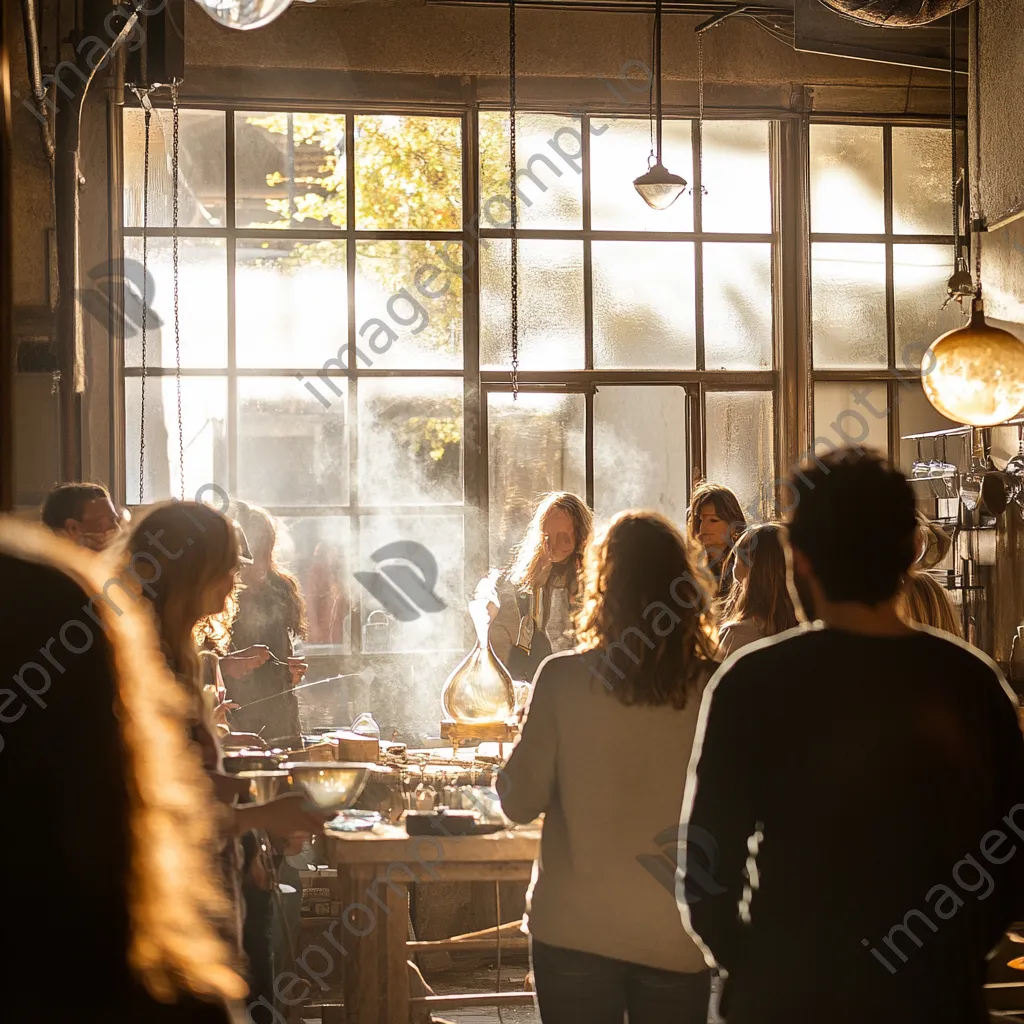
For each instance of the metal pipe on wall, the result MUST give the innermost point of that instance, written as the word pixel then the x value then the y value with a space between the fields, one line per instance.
pixel 67 180
pixel 6 339
pixel 35 70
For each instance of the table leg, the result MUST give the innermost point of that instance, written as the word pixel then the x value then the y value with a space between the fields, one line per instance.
pixel 376 929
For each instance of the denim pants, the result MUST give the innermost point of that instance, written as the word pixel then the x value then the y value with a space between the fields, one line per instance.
pixel 574 987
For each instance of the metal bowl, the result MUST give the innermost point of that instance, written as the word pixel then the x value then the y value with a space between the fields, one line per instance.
pixel 265 786
pixel 250 761
pixel 331 785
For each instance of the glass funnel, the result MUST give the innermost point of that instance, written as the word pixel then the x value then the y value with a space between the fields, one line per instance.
pixel 479 690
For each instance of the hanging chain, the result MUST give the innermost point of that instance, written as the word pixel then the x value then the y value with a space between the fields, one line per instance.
pixel 514 255
pixel 147 118
pixel 174 265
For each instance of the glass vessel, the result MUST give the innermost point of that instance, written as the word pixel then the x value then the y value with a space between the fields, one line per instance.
pixel 479 690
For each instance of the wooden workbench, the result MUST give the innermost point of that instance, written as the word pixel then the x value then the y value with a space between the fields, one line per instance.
pixel 374 871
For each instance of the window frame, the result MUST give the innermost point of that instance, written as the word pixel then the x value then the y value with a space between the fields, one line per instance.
pixel 891 376
pixel 790 381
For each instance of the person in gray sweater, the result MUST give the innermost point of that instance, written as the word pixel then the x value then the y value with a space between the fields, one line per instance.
pixel 603 756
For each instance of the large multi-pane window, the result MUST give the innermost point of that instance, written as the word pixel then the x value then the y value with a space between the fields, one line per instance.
pixel 881 253
pixel 345 305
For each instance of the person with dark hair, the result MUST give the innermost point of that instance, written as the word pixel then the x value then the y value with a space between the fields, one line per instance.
pixel 99 774
pixel 532 602
pixel 606 936
pixel 715 520
pixel 84 514
pixel 860 778
pixel 759 604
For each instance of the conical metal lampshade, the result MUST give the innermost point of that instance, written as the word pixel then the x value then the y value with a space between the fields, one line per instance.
pixel 659 187
pixel 975 374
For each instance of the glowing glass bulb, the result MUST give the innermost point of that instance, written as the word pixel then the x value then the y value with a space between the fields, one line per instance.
pixel 244 14
pixel 975 374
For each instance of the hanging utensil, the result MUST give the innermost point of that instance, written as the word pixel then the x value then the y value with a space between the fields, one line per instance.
pixel 970 482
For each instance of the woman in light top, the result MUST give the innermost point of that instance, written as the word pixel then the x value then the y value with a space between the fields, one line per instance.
pixel 533 601
pixel 760 605
pixel 603 755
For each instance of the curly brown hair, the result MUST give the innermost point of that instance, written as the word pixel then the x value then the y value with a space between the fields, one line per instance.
pixel 642 564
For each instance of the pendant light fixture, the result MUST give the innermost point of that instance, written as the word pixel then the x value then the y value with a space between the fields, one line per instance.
pixel 244 14
pixel 658 187
pixel 975 374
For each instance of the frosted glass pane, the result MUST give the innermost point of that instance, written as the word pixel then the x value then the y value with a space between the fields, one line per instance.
pixel 847 179
pixel 290 170
pixel 291 450
pixel 550 304
pixel 317 551
pixel 408 305
pixel 920 273
pixel 618 155
pixel 918 416
pixel 442 539
pixel 534 445
pixel 291 302
pixel 203 305
pixel 644 305
pixel 851 413
pixel 741 448
pixel 848 305
pixel 408 172
pixel 921 170
pixel 736 173
pixel 410 441
pixel 549 174
pixel 640 450
pixel 737 305
pixel 204 415
pixel 201 170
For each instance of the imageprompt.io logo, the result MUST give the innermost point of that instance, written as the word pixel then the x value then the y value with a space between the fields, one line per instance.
pixel 403 591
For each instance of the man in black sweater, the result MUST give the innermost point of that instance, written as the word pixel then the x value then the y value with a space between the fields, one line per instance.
pixel 863 780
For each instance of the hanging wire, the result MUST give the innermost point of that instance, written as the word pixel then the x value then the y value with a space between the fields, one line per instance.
pixel 650 85
pixel 514 256
pixel 952 143
pixel 147 108
pixel 175 268
pixel 700 112
pixel 976 182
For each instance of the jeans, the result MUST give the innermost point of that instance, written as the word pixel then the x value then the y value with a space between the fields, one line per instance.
pixel 574 987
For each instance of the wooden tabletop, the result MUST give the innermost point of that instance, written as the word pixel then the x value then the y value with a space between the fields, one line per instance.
pixel 390 843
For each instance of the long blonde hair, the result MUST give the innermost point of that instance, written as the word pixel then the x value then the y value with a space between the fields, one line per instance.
pixel 170 891
pixel 924 600
pixel 639 561
pixel 524 570
pixel 177 550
